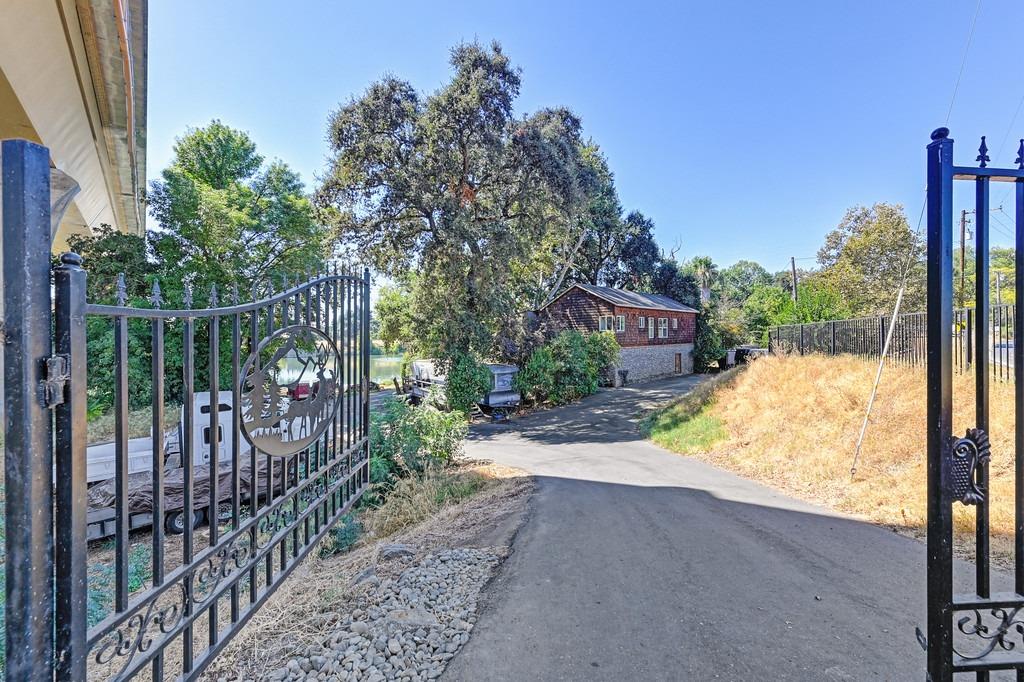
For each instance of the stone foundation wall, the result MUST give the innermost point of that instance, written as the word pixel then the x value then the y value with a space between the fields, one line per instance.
pixel 650 362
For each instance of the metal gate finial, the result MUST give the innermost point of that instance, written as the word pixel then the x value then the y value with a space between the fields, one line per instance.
pixel 983 153
pixel 155 298
pixel 1020 155
pixel 122 290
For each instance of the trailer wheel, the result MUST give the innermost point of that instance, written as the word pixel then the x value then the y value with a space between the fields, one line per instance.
pixel 174 522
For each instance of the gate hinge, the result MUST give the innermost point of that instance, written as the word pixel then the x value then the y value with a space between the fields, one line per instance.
pixel 51 388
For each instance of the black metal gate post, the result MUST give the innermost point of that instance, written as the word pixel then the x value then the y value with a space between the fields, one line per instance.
pixel 70 426
pixel 979 631
pixel 28 429
pixel 940 406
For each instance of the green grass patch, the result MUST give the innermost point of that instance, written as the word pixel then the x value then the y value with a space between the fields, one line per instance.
pixel 686 425
pixel 685 433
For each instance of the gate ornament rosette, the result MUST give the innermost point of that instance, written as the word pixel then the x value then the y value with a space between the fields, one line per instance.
pixel 290 390
pixel 969 453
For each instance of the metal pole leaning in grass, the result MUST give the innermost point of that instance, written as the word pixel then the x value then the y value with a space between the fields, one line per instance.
pixel 878 379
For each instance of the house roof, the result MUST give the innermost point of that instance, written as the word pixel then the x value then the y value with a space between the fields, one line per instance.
pixel 630 299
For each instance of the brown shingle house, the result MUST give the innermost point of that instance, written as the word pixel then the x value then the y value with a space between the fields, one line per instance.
pixel 656 332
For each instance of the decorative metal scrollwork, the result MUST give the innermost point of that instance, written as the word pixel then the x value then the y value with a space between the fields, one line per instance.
pixel 986 637
pixel 227 560
pixel 290 390
pixel 135 636
pixel 969 453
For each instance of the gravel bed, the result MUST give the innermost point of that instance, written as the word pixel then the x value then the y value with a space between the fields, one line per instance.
pixel 406 628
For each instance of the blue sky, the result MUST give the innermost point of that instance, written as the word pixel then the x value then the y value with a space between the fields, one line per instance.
pixel 744 129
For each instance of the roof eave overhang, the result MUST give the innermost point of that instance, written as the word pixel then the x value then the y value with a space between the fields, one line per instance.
pixel 615 303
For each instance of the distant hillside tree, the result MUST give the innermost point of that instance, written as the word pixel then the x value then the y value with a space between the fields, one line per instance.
pixel 739 280
pixel 864 259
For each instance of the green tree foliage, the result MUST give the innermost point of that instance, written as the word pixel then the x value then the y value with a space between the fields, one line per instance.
pixel 864 259
pixel 224 219
pixel 707 341
pixel 604 232
pixel 769 306
pixel 455 188
pixel 393 314
pixel 107 254
pixel 739 280
pixel 706 273
pixel 570 366
pixel 1002 267
pixel 763 309
pixel 227 219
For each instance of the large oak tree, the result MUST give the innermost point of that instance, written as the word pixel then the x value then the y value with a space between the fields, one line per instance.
pixel 456 188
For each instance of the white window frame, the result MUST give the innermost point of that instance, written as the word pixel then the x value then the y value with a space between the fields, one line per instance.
pixel 642 321
pixel 675 323
pixel 662 327
pixel 650 327
pixel 620 323
pixel 602 323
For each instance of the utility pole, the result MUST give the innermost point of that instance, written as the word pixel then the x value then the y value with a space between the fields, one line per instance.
pixel 792 267
pixel 963 258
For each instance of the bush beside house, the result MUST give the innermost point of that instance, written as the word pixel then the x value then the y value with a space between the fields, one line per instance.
pixel 568 367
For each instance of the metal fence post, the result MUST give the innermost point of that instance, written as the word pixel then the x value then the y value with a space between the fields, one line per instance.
pixel 70 428
pixel 365 343
pixel 970 337
pixel 28 427
pixel 832 333
pixel 881 334
pixel 801 339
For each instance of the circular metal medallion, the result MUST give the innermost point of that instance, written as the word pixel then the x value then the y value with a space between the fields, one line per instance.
pixel 290 390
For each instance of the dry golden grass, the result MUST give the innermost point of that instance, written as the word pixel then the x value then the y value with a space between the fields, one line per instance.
pixel 793 422
pixel 417 498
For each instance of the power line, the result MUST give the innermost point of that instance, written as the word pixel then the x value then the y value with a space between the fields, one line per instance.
pixel 963 61
pixel 910 257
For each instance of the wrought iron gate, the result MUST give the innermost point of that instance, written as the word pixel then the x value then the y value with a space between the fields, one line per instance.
pixel 293 393
pixel 982 630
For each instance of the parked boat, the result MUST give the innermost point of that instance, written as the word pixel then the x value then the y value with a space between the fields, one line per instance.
pixel 501 399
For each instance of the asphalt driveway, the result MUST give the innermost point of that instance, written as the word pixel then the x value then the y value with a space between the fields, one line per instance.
pixel 639 564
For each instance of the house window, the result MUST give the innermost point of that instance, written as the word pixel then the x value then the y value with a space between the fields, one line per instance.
pixel 606 323
pixel 662 327
pixel 650 327
pixel 675 323
pixel 620 323
pixel 642 320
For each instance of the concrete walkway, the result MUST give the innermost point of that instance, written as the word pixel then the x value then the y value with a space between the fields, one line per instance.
pixel 639 564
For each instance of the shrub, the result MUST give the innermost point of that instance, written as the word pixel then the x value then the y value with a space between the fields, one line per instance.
pixel 467 382
pixel 604 352
pixel 536 379
pixel 405 439
pixel 568 368
pixel 342 536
